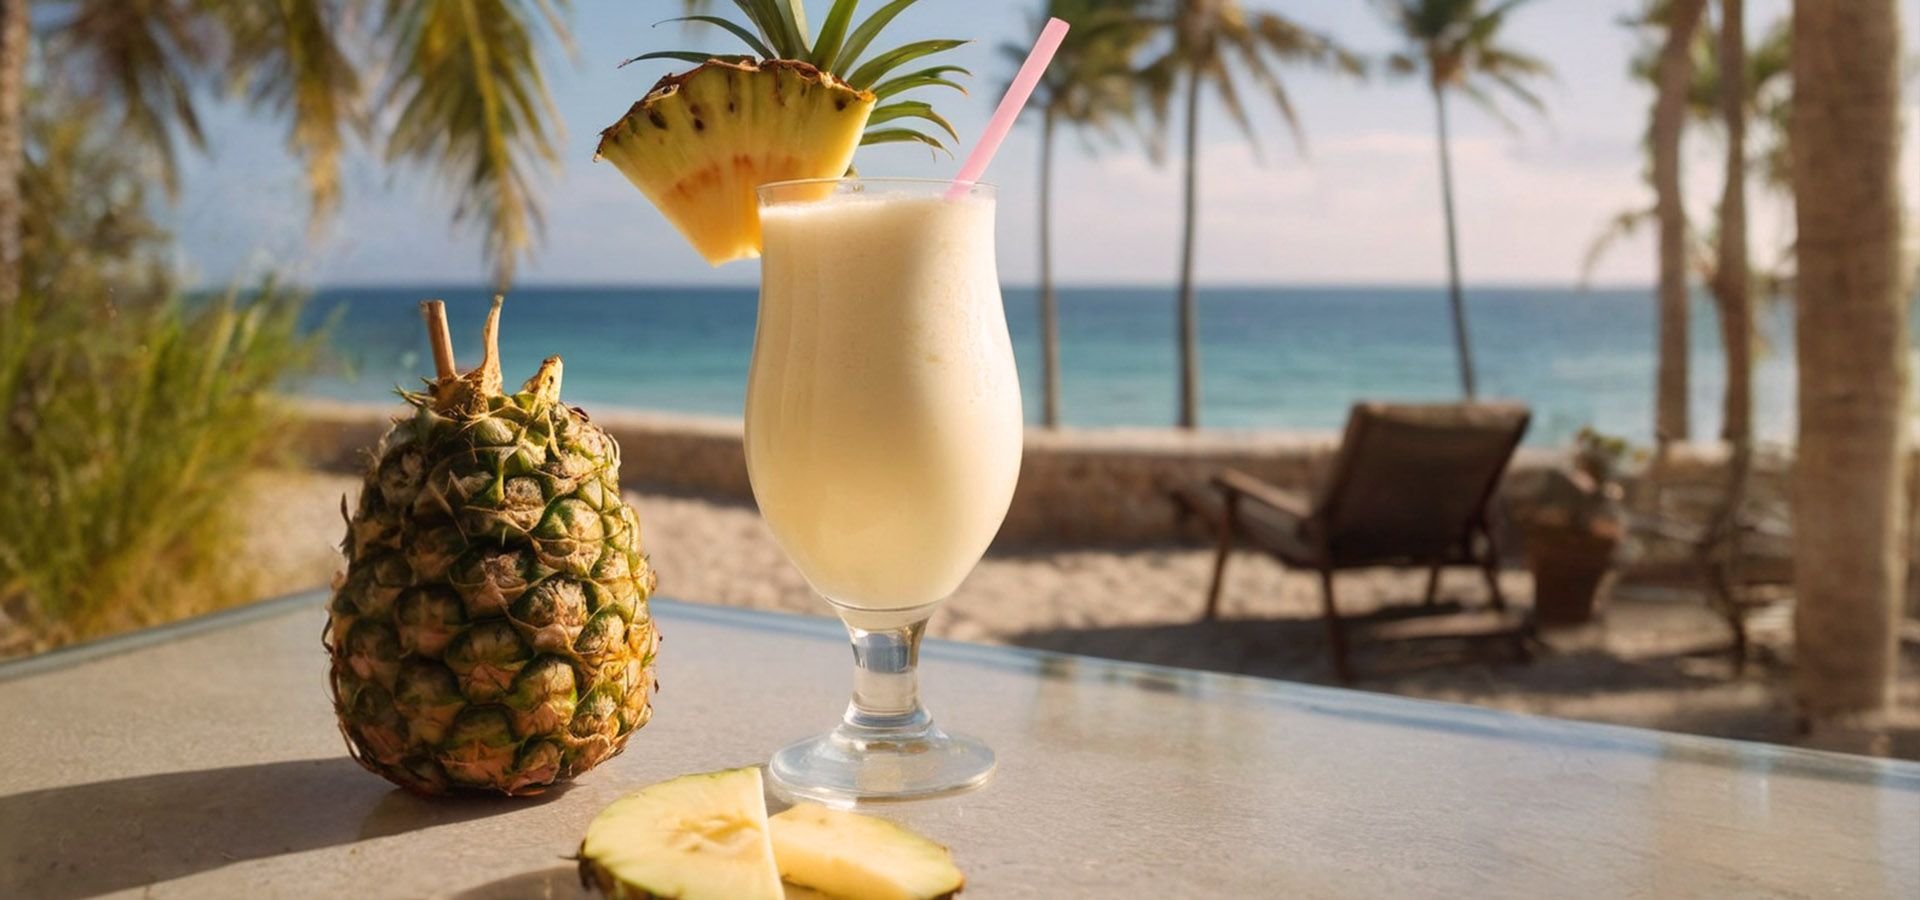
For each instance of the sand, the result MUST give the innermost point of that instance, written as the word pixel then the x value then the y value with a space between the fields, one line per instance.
pixel 1658 660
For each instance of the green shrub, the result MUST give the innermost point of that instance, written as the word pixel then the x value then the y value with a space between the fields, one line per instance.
pixel 127 431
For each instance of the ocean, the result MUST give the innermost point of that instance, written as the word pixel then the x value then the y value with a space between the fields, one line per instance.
pixel 1291 358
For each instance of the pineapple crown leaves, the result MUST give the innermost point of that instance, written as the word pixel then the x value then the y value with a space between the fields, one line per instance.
pixel 780 32
pixel 453 393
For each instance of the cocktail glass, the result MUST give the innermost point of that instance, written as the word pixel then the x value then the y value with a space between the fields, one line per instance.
pixel 883 438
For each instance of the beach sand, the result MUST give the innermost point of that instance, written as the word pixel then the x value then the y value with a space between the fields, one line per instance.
pixel 1657 662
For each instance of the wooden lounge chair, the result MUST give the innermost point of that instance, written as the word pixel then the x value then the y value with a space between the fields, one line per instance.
pixel 1410 486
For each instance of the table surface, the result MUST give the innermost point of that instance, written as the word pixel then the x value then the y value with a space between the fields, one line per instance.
pixel 202 760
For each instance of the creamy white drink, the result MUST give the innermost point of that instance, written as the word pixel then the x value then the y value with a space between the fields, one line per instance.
pixel 883 421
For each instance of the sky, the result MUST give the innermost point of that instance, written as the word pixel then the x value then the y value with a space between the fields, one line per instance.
pixel 1359 204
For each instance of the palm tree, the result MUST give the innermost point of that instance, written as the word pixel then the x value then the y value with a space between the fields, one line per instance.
pixel 1090 85
pixel 1731 284
pixel 463 87
pixel 1850 477
pixel 1456 45
pixel 1760 79
pixel 1673 78
pixel 1220 44
pixel 1737 88
pixel 14 27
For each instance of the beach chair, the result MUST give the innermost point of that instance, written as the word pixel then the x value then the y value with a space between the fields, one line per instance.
pixel 1739 558
pixel 1411 486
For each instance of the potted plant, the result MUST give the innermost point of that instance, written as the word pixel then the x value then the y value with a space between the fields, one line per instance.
pixel 1574 529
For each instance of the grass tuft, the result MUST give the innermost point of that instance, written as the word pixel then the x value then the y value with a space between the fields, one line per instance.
pixel 126 434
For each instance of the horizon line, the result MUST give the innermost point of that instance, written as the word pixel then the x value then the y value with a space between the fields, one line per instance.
pixel 482 287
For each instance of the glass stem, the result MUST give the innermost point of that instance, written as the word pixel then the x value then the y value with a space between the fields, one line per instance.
pixel 886 682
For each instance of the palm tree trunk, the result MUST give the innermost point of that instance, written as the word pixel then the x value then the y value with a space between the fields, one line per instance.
pixel 1673 78
pixel 1456 302
pixel 1732 273
pixel 1851 333
pixel 15 21
pixel 1049 306
pixel 1189 316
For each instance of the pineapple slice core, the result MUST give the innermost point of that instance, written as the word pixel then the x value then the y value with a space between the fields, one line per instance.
pixel 695 837
pixel 700 143
pixel 843 854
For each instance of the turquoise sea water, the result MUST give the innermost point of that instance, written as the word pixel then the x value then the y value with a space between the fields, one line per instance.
pixel 1283 357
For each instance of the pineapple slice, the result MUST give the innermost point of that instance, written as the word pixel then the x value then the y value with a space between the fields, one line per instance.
pixel 696 837
pixel 847 855
pixel 699 144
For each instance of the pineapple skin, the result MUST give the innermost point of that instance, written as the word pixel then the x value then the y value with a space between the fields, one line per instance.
pixel 491 631
pixel 701 142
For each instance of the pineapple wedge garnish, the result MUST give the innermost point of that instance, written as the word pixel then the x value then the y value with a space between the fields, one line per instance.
pixel 709 836
pixel 701 141
pixel 843 854
pixel 696 837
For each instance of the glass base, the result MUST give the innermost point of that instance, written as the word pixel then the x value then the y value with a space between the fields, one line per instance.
pixel 846 766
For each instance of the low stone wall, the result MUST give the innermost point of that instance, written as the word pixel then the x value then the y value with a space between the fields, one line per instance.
pixel 1080 487
pixel 1077 487
pixel 1116 486
pixel 659 451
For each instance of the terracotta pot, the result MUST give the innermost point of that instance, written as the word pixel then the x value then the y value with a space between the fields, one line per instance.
pixel 1571 567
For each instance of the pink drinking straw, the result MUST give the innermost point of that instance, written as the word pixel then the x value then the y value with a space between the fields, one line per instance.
pixel 1010 106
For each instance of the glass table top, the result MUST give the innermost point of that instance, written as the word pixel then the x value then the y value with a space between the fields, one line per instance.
pixel 202 760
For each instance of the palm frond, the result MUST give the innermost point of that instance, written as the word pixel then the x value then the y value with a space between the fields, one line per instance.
pixel 471 102
pixel 144 55
pixel 1771 59
pixel 1499 12
pixel 1292 43
pixel 1455 43
pixel 1158 79
pixel 1477 93
pixel 1519 90
pixel 1222 81
pixel 1622 226
pixel 1497 60
pixel 1223 42
pixel 288 58
pixel 1263 75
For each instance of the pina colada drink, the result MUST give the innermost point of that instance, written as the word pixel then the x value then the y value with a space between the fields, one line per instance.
pixel 883 417
pixel 883 422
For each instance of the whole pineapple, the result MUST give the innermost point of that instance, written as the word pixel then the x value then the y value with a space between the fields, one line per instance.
pixel 491 629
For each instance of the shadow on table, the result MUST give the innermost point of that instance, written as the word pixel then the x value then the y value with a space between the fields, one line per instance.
pixel 560 883
pixel 88 839
pixel 1293 649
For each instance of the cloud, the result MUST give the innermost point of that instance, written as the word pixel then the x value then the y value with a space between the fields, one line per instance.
pixel 1363 207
